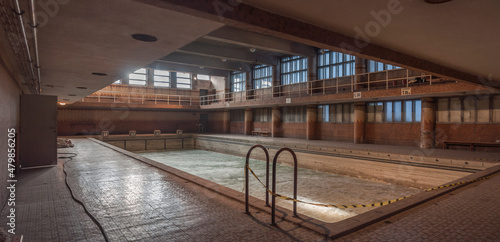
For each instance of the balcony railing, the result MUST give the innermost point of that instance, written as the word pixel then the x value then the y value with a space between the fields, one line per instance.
pixel 347 84
pixel 142 98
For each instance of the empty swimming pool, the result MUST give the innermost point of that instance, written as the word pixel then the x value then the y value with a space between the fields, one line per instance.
pixel 313 186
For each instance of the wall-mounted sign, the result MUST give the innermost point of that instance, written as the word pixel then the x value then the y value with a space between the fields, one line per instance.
pixel 288 100
pixel 405 91
pixel 357 94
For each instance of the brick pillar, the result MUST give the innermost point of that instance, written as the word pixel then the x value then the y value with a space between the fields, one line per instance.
pixel 248 121
pixel 360 67
pixel 277 129
pixel 311 119
pixel 312 75
pixel 428 122
pixel 359 122
pixel 226 121
pixel 276 81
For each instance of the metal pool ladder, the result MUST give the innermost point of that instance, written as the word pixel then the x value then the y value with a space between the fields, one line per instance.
pixel 273 200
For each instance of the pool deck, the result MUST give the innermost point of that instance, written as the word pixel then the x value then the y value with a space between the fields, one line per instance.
pixel 135 201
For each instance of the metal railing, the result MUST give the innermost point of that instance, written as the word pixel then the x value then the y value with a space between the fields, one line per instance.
pixel 347 84
pixel 142 98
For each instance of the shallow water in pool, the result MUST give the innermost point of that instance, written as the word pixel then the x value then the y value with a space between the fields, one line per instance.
pixel 313 186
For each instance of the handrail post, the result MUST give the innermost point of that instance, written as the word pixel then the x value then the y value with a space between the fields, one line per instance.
pixel 273 200
pixel 246 176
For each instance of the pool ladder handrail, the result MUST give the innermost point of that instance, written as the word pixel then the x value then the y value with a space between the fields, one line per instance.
pixel 273 200
pixel 246 175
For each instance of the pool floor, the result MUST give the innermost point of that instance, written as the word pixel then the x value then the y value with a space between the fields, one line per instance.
pixel 313 186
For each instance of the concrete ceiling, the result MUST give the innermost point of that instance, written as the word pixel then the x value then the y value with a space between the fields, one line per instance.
pixel 90 36
pixel 83 37
pixel 460 34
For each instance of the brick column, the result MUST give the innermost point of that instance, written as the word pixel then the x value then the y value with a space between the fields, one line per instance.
pixel 248 121
pixel 312 75
pixel 360 67
pixel 359 122
pixel 226 121
pixel 311 119
pixel 428 123
pixel 276 80
pixel 277 129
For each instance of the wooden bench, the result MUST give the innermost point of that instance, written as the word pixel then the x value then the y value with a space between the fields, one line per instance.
pixel 472 145
pixel 261 133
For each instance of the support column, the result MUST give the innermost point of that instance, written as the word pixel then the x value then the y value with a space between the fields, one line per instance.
pixel 249 85
pixel 276 81
pixel 311 119
pixel 359 122
pixel 248 121
pixel 277 128
pixel 312 75
pixel 428 122
pixel 360 67
pixel 226 121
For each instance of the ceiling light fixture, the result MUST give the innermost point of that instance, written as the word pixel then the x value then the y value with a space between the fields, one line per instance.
pixel 223 59
pixel 61 103
pixel 252 50
pixel 81 87
pixel 144 37
pixel 72 95
pixel 99 74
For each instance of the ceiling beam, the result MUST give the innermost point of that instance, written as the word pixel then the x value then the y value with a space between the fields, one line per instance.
pixel 233 53
pixel 186 68
pixel 248 39
pixel 244 16
pixel 204 62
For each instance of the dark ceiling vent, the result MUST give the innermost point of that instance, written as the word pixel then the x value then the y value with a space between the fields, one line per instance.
pixel 144 37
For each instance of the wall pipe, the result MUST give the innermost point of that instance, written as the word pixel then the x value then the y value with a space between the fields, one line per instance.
pixel 19 14
pixel 34 26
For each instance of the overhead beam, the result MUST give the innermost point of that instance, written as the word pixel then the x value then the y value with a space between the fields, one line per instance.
pixel 241 15
pixel 185 68
pixel 228 52
pixel 204 62
pixel 248 39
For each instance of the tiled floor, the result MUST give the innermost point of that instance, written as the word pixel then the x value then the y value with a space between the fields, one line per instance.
pixel 471 213
pixel 133 202
pixel 137 202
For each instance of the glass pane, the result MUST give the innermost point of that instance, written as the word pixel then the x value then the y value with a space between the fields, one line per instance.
pixel 203 77
pixel 397 111
pixel 161 84
pixel 379 111
pixel 418 110
pixel 371 112
pixel 443 111
pixel 388 111
pixel 161 78
pixel 470 109
pixel 118 82
pixel 134 82
pixel 496 109
pixel 408 111
pixel 137 76
pixel 455 110
pixel 141 71
pixel 161 72
pixel 483 111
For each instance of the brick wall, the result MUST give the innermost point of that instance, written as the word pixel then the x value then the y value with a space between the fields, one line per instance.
pixel 79 121
pixel 472 132
pixel 335 131
pixel 294 130
pixel 393 133
pixel 237 127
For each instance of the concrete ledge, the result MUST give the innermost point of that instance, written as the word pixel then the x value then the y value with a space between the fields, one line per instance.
pixel 332 230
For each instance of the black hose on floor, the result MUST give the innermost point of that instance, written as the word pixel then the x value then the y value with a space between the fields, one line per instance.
pixel 73 195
